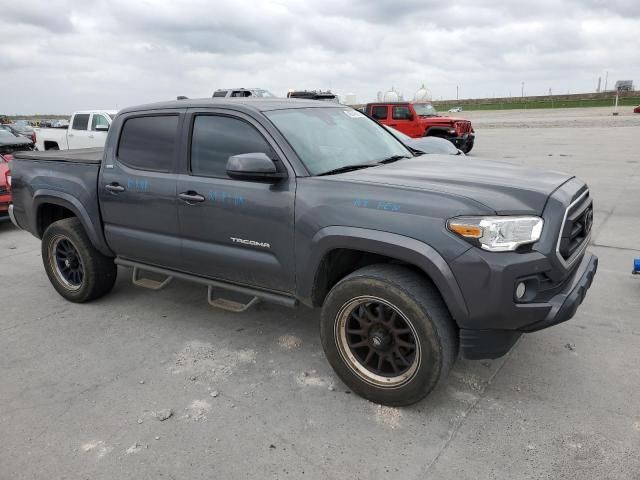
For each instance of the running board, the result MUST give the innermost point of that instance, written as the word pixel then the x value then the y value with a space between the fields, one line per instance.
pixel 139 281
pixel 229 305
pixel 267 296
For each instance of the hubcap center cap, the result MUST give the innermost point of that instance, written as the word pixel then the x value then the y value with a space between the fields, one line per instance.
pixel 380 339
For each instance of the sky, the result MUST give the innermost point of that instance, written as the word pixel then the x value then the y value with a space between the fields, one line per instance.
pixel 57 56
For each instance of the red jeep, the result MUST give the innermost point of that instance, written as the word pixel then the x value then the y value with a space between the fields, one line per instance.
pixel 422 120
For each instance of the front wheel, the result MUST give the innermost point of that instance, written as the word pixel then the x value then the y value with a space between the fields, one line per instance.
pixel 388 334
pixel 77 270
pixel 467 147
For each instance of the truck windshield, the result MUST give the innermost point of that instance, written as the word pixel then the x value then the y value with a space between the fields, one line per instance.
pixel 425 109
pixel 328 139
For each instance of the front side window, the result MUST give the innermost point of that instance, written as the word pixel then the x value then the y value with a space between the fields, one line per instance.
pixel 98 121
pixel 379 112
pixel 80 121
pixel 401 113
pixel 149 143
pixel 329 138
pixel 216 138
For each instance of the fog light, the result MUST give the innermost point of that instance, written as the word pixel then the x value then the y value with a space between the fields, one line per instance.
pixel 521 289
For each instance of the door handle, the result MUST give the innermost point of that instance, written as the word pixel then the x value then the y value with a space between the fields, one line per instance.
pixel 91 136
pixel 70 135
pixel 114 188
pixel 191 197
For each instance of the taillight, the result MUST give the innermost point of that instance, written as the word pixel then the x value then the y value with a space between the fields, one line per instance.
pixel 33 137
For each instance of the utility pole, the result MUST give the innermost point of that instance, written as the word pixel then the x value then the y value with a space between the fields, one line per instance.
pixel 522 91
pixel 456 93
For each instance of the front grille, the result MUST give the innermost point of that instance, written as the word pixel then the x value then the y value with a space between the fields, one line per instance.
pixel 576 229
pixel 463 127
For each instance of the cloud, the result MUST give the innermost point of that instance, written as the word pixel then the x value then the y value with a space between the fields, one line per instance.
pixel 62 55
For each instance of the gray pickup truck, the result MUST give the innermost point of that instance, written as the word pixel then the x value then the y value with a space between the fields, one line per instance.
pixel 413 259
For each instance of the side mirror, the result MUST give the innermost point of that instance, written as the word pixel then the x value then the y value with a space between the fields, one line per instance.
pixel 102 128
pixel 257 167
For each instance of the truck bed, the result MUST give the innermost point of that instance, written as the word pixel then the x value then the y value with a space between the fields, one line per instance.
pixel 81 155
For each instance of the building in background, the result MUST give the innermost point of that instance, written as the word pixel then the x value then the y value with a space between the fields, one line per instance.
pixel 624 85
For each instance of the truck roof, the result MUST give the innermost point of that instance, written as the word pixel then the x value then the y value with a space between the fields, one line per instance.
pixel 251 103
pixel 110 112
pixel 399 102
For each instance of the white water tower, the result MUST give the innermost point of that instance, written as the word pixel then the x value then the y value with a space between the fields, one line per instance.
pixel 422 95
pixel 391 96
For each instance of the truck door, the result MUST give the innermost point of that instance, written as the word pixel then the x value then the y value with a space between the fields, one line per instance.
pixel 78 132
pixel 98 132
pixel 137 189
pixel 403 121
pixel 235 230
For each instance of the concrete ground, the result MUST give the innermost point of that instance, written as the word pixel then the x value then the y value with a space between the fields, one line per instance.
pixel 83 387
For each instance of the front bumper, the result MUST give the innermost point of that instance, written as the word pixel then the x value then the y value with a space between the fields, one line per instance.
pixel 12 217
pixel 463 141
pixel 561 306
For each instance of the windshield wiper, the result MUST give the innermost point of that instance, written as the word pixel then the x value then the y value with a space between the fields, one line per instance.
pixel 391 159
pixel 347 168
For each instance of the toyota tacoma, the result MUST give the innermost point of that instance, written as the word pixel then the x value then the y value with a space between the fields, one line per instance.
pixel 412 260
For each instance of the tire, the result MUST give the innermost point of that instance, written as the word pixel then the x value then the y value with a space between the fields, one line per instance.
pixel 468 146
pixel 377 291
pixel 75 268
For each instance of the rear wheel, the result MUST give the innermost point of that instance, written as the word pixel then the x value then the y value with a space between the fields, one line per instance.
pixel 75 268
pixel 388 335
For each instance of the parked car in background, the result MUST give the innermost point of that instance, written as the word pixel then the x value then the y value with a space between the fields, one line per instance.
pixel 10 142
pixel 425 144
pixel 637 109
pixel 242 92
pixel 455 109
pixel 292 201
pixel 23 127
pixel 87 129
pixel 5 189
pixel 418 119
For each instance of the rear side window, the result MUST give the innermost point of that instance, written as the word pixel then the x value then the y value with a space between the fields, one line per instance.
pixel 149 143
pixel 80 121
pixel 401 113
pixel 379 113
pixel 220 93
pixel 216 138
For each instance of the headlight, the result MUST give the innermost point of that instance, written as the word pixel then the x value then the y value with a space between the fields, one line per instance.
pixel 497 234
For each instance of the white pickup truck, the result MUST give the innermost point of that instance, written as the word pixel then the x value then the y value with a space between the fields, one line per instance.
pixel 86 129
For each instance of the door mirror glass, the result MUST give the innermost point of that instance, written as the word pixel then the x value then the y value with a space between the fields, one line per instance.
pixel 253 167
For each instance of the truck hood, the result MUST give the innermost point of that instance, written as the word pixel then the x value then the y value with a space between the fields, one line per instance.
pixel 504 188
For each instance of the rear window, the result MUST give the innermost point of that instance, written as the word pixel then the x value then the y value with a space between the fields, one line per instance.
pixel 149 143
pixel 379 112
pixel 80 121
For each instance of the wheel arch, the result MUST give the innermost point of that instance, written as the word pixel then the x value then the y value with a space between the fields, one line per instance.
pixel 51 206
pixel 338 251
